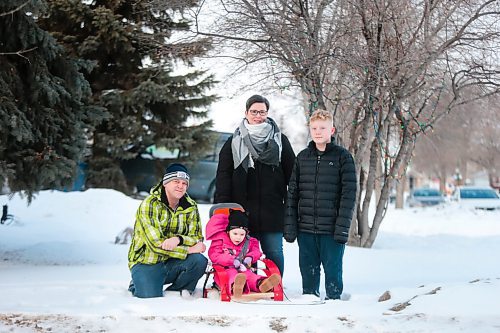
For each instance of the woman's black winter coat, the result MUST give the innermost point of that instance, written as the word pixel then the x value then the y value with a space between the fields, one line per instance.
pixel 261 190
pixel 321 193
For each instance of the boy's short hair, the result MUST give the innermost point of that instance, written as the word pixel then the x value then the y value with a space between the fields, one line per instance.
pixel 321 114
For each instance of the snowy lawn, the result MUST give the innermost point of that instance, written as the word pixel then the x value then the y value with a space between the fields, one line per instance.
pixel 60 271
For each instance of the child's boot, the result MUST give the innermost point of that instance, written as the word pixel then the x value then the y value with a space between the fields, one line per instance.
pixel 238 285
pixel 269 283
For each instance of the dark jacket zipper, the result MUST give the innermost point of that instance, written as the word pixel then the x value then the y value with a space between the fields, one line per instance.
pixel 315 212
pixel 259 196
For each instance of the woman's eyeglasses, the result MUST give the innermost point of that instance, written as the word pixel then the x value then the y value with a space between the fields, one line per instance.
pixel 258 112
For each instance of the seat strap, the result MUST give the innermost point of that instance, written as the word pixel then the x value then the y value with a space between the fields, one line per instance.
pixel 244 249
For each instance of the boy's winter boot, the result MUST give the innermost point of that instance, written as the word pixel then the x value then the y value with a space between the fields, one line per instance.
pixel 238 285
pixel 269 283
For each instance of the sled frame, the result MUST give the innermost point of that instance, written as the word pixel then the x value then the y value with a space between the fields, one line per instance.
pixel 217 270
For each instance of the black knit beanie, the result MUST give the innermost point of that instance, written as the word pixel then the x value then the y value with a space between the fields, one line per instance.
pixel 237 219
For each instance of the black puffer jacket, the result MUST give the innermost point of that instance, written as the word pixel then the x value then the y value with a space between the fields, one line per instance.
pixel 321 193
pixel 261 191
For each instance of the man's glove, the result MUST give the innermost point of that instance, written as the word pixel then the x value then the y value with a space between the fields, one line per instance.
pixel 290 236
pixel 247 262
pixel 290 232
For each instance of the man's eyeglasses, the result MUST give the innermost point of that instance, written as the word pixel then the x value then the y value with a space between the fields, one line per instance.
pixel 258 112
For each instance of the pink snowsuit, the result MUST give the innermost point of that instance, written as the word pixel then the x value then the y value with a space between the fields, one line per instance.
pixel 222 251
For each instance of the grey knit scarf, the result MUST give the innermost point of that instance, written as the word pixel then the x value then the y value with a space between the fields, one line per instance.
pixel 261 142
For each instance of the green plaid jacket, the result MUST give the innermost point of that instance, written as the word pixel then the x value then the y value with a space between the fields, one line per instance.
pixel 155 222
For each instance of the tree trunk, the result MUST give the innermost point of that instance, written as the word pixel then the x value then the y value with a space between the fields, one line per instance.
pixel 367 234
pixel 400 192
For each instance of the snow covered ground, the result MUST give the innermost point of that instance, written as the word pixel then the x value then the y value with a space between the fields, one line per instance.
pixel 60 271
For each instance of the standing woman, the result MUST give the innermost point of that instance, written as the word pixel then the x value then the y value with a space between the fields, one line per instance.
pixel 255 165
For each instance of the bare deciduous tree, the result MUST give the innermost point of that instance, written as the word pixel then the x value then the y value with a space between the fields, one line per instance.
pixel 470 138
pixel 486 136
pixel 387 69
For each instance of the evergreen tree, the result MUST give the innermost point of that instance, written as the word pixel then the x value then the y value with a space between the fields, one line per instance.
pixel 44 109
pixel 129 42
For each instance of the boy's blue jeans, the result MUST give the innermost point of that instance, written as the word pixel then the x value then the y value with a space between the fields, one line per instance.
pixel 316 250
pixel 272 246
pixel 148 280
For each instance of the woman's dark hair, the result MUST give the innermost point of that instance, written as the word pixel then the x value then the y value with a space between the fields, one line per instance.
pixel 257 99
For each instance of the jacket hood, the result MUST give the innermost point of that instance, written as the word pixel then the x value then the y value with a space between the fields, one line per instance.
pixel 156 190
pixel 216 225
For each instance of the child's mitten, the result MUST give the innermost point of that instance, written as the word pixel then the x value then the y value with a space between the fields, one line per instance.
pixel 247 261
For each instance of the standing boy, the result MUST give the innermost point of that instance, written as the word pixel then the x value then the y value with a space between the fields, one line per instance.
pixel 321 200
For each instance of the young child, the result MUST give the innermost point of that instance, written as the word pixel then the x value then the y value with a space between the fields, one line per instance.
pixel 234 249
pixel 320 204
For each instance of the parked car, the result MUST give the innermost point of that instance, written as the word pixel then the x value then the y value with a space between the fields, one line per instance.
pixel 144 171
pixel 422 197
pixel 478 197
pixel 141 172
pixel 203 172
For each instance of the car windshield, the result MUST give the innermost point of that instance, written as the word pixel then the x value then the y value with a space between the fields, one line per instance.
pixel 427 193
pixel 477 193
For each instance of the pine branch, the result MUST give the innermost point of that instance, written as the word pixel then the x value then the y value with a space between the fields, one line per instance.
pixel 19 53
pixel 14 10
